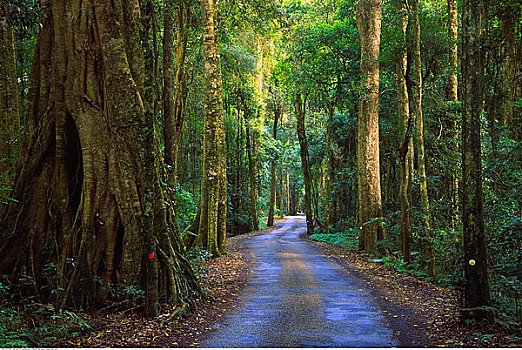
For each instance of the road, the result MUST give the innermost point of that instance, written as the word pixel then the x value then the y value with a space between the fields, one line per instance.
pixel 297 297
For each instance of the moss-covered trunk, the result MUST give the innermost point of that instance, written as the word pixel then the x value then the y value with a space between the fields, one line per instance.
pixel 452 95
pixel 476 295
pixel 175 89
pixel 416 109
pixel 9 107
pixel 90 199
pixel 406 124
pixel 271 204
pixel 213 208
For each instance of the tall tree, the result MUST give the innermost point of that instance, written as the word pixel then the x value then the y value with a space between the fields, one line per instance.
pixel 511 20
pixel 368 13
pixel 305 163
pixel 452 95
pixel 476 295
pixel 453 27
pixel 9 107
pixel 211 227
pixel 416 104
pixel 174 102
pixel 406 123
pixel 271 204
pixel 89 183
pixel 251 177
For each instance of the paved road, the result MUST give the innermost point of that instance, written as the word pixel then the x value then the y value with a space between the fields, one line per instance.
pixel 297 297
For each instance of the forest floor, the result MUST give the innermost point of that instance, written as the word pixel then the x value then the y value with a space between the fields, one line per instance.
pixel 420 313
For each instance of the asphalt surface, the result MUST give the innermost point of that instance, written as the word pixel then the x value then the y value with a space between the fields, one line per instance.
pixel 297 297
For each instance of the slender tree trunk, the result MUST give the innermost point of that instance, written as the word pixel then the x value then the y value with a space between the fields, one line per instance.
pixel 89 184
pixel 369 16
pixel 213 207
pixel 510 64
pixel 281 194
pixel 9 106
pixel 271 204
pixel 251 176
pixel 453 26
pixel 406 123
pixel 174 102
pixel 452 95
pixel 476 295
pixel 301 134
pixel 330 165
pixel 287 191
pixel 416 102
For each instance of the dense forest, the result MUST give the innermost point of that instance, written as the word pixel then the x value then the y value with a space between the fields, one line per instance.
pixel 136 136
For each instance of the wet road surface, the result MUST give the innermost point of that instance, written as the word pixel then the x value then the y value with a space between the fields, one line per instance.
pixel 297 297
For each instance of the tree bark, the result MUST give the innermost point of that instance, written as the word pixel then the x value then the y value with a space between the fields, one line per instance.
pixel 476 295
pixel 368 13
pixel 213 208
pixel 406 124
pixel 510 19
pixel 452 95
pixel 330 171
pixel 271 204
pixel 9 106
pixel 89 184
pixel 287 192
pixel 453 26
pixel 251 177
pixel 175 89
pixel 416 102
pixel 307 176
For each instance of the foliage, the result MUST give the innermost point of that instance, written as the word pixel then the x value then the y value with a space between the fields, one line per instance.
pixel 25 322
pixel 346 238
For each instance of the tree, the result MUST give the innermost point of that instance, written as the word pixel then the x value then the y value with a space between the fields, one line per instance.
pixel 406 122
pixel 9 106
pixel 174 102
pixel 211 219
pixel 452 95
pixel 89 183
pixel 368 13
pixel 416 103
pixel 476 294
pixel 305 163
pixel 271 210
pixel 511 17
pixel 251 177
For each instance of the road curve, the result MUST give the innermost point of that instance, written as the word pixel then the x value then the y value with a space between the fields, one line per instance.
pixel 297 297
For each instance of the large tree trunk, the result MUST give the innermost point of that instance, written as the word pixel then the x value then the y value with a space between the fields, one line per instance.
pixel 307 175
pixel 9 107
pixel 174 103
pixel 476 295
pixel 416 103
pixel 369 16
pixel 271 204
pixel 211 233
pixel 406 123
pixel 90 199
